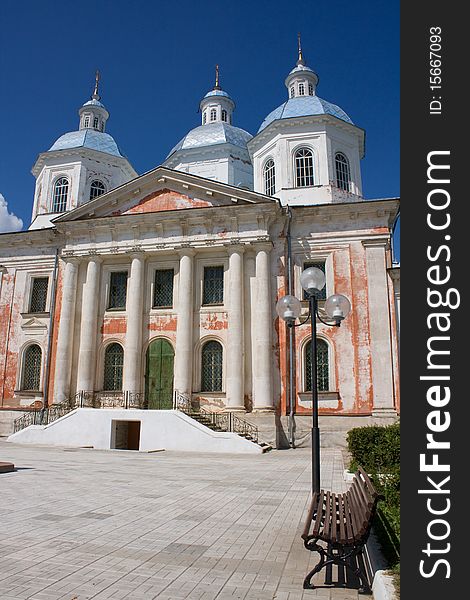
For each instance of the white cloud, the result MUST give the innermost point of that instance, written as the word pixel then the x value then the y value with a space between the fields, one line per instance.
pixel 8 221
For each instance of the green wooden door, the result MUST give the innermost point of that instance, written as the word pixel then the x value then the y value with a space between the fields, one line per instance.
pixel 159 375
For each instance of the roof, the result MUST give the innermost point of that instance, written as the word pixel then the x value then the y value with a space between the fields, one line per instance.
pixel 94 102
pixel 87 138
pixel 302 106
pixel 217 93
pixel 211 134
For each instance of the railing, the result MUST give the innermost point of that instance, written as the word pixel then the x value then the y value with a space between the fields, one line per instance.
pixel 221 421
pixel 41 416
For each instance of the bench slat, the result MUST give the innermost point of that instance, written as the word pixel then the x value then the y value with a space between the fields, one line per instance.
pixel 314 503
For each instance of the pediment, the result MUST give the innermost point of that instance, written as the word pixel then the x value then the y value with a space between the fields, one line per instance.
pixel 163 190
pixel 33 324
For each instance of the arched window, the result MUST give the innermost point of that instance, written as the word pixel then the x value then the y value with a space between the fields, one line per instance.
pixel 292 91
pixel 310 89
pixel 211 367
pixel 61 192
pixel 213 114
pixel 224 115
pixel 95 123
pixel 323 367
pixel 204 117
pixel 343 177
pixel 301 89
pixel 31 379
pixel 86 121
pixel 269 178
pixel 304 167
pixel 113 366
pixel 96 189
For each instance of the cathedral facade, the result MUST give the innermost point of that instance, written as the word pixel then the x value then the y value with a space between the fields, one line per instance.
pixel 166 283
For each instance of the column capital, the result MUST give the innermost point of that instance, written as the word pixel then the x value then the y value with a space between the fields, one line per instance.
pixel 186 251
pixel 235 248
pixel 137 254
pixel 262 246
pixel 97 258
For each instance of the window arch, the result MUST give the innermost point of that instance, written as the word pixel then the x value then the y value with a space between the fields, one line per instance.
pixel 343 175
pixel 323 366
pixel 211 367
pixel 61 192
pixel 113 367
pixel 31 378
pixel 304 167
pixel 97 188
pixel 269 173
pixel 213 114
pixel 224 115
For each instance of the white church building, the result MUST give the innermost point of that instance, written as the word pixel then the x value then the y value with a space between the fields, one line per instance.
pixel 133 292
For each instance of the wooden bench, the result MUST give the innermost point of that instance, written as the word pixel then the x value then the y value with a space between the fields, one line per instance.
pixel 342 522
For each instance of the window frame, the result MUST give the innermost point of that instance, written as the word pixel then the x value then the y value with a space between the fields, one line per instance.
pixel 305 383
pixel 158 269
pixel 203 292
pixel 269 177
pixel 347 172
pixel 21 382
pixel 112 273
pixel 204 344
pixel 92 187
pixel 106 350
pixel 59 198
pixel 300 171
pixel 213 115
pixel 322 296
pixel 301 87
pixel 29 307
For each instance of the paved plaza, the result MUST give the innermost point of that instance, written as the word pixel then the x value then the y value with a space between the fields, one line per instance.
pixel 78 524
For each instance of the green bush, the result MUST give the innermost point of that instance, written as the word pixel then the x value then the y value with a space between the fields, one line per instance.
pixel 377 450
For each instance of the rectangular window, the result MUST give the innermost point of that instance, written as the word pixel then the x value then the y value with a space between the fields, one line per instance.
pixel 117 290
pixel 321 266
pixel 213 292
pixel 38 298
pixel 163 288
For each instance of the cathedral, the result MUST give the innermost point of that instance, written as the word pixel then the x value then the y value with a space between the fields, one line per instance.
pixel 135 290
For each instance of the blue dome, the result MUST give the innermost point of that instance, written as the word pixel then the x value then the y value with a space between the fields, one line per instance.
pixel 217 93
pixel 302 106
pixel 212 134
pixel 94 102
pixel 87 138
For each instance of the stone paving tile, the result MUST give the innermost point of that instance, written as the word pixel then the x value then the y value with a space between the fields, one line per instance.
pixel 111 525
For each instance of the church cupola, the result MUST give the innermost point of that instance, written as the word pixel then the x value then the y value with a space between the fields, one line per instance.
pixel 93 114
pixel 215 149
pixel 301 81
pixel 216 106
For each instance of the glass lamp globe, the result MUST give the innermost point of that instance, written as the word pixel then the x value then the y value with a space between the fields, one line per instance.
pixel 312 280
pixel 337 307
pixel 288 308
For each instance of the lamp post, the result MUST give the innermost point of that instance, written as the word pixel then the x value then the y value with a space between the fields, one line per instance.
pixel 337 308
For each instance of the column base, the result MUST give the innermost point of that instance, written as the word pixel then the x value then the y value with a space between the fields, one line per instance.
pixel 385 413
pixel 239 409
pixel 263 409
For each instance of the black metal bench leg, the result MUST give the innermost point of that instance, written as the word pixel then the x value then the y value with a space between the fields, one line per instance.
pixel 359 572
pixel 308 585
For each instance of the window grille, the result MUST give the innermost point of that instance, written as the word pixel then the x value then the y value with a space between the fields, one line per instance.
pixel 323 367
pixel 113 368
pixel 61 192
pixel 304 167
pixel 321 295
pixel 96 189
pixel 32 368
pixel 86 121
pixel 224 115
pixel 163 288
pixel 343 177
pixel 95 123
pixel 292 91
pixel 301 89
pixel 213 285
pixel 117 289
pixel 310 89
pixel 38 295
pixel 213 114
pixel 211 367
pixel 204 117
pixel 269 178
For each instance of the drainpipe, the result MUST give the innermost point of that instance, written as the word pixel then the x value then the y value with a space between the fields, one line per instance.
pixel 290 288
pixel 49 341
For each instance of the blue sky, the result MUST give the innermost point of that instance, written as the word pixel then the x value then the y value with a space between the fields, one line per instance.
pixel 157 60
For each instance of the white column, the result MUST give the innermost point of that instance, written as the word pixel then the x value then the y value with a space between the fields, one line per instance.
pixel 63 363
pixel 380 330
pixel 88 332
pixel 234 379
pixel 134 310
pixel 262 336
pixel 184 326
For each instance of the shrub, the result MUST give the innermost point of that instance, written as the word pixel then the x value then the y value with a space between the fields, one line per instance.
pixel 375 448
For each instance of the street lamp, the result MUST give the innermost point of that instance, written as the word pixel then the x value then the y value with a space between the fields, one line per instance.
pixel 337 308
